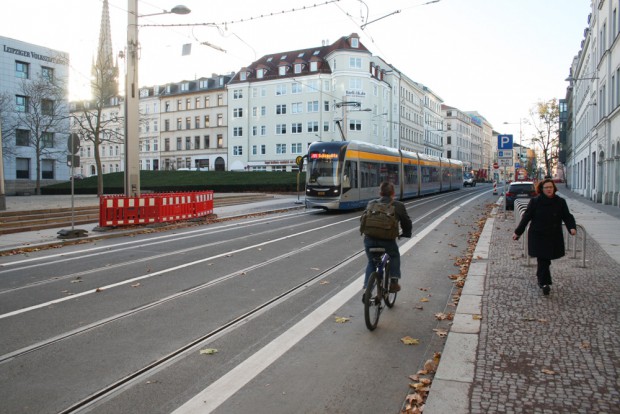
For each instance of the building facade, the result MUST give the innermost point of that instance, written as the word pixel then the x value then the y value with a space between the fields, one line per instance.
pixel 34 115
pixel 590 144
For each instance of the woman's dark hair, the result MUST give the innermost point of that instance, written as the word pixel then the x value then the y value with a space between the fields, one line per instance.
pixel 386 189
pixel 540 185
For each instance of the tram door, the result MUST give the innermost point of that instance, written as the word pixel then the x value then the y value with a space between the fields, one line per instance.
pixel 350 181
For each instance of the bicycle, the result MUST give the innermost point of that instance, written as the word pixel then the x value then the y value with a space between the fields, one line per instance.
pixel 378 288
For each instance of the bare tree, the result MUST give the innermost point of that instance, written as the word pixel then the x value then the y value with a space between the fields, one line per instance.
pixel 39 117
pixel 6 110
pixel 545 118
pixel 96 121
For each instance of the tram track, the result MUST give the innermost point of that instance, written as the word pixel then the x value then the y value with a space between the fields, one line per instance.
pixel 117 386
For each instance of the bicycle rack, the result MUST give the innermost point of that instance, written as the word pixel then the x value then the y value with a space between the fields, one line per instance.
pixel 520 208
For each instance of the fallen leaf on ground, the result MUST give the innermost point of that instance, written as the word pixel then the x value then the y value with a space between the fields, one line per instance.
pixel 342 319
pixel 407 340
pixel 476 317
pixel 442 333
pixel 548 371
pixel 208 351
pixel 424 300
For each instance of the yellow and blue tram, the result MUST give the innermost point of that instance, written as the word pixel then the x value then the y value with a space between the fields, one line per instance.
pixel 346 175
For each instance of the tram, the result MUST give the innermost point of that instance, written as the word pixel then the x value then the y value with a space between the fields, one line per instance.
pixel 346 175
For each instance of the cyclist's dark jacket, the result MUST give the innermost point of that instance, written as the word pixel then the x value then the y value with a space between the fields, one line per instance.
pixel 401 213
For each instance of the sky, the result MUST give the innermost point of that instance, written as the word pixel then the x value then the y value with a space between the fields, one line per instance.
pixel 497 57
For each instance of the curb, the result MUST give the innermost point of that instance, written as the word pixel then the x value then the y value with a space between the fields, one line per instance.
pixel 451 387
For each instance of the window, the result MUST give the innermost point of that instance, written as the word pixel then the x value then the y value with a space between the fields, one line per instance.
pixel 263 110
pixel 197 122
pixel 280 148
pixel 179 144
pixel 254 150
pixel 179 104
pixel 237 131
pixel 237 94
pixel 47 139
pixel 298 67
pixel 280 129
pixel 313 106
pixel 179 124
pixel 220 99
pixel 280 109
pixel 263 149
pixel 167 106
pixel 167 144
pixel 206 140
pixel 355 42
pixel 313 126
pixel 254 130
pixel 296 87
pixel 355 84
pixel 197 104
pixel 188 143
pixel 314 66
pixel 282 70
pixel 296 128
pixel 238 150
pixel 297 107
pixel 207 101
pixel 355 125
pixel 207 124
pixel 263 130
pixel 47 107
pixel 166 125
pixel 296 148
pixel 47 169
pixel 260 73
pixel 185 86
pixel 22 70
pixel 21 103
pixel 326 106
pixel 238 113
pixel 220 141
pixel 280 90
pixel 47 73
pixel 326 126
pixel 22 168
pixel 22 137
pixel 188 123
pixel 355 62
pixel 220 120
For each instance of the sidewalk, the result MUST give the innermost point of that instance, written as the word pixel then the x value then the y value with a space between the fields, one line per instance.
pixel 40 238
pixel 530 353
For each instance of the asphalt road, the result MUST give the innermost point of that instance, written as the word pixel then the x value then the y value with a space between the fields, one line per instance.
pixel 237 316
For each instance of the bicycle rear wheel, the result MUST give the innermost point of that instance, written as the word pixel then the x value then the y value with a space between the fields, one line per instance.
pixel 372 301
pixel 390 297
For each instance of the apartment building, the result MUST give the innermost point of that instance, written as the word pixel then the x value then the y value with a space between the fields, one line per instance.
pixel 33 117
pixel 458 143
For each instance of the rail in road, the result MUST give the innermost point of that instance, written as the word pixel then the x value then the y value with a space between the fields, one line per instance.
pixel 40 219
pixel 124 318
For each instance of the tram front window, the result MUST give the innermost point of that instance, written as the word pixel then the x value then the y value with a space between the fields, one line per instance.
pixel 324 172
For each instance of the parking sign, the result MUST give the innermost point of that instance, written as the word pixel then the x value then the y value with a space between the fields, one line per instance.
pixel 504 142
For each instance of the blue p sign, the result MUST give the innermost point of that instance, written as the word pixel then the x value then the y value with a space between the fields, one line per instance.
pixel 504 142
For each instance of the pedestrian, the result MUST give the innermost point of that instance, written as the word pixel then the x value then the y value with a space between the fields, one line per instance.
pixel 386 191
pixel 545 241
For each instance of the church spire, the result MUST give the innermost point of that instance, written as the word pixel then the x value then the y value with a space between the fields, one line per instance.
pixel 105 70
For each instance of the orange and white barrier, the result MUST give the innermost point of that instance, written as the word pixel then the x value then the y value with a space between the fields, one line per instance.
pixel 153 208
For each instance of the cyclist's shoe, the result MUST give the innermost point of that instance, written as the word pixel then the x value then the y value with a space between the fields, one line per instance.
pixel 394 286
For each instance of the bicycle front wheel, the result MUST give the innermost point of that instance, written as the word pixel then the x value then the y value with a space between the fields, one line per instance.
pixel 372 301
pixel 390 297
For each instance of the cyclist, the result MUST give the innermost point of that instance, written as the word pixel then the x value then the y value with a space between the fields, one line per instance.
pixel 386 191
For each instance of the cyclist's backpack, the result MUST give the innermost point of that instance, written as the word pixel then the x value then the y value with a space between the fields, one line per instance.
pixel 379 221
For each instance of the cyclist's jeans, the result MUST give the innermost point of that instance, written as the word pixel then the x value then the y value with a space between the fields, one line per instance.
pixel 391 248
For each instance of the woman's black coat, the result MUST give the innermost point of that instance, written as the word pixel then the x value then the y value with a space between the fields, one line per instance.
pixel 545 238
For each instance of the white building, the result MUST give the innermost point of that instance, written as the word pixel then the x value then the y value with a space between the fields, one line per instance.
pixel 592 141
pixel 458 134
pixel 21 66
pixel 284 101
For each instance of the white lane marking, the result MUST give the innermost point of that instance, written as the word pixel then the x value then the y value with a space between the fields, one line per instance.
pixel 161 272
pixel 221 390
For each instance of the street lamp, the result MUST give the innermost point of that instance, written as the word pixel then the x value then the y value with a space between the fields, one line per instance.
pixel 132 115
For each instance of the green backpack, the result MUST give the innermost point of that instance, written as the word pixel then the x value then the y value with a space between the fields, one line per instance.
pixel 379 221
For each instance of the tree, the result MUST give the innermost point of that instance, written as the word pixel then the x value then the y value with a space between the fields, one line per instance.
pixel 37 118
pixel 97 121
pixel 545 116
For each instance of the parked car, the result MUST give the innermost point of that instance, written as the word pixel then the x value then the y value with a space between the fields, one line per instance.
pixel 469 180
pixel 519 189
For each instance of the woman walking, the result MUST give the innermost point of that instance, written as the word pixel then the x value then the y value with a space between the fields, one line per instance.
pixel 545 242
